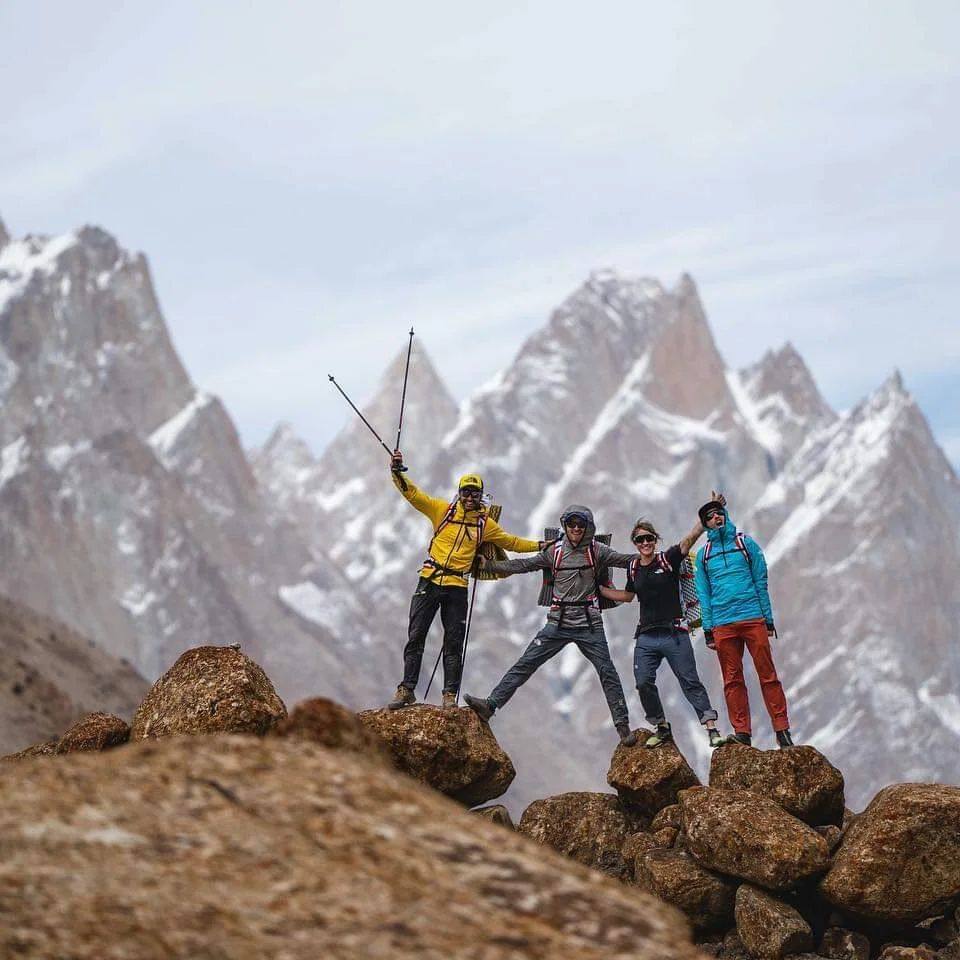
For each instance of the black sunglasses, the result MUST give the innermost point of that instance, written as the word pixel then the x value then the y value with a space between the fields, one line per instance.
pixel 714 513
pixel 576 525
pixel 470 491
pixel 644 538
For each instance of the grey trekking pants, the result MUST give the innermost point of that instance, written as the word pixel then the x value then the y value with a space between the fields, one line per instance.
pixel 548 643
pixel 672 645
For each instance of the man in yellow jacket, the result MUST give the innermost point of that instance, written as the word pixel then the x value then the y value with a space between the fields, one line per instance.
pixel 458 530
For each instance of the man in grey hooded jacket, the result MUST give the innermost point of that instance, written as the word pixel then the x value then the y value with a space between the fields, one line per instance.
pixel 574 617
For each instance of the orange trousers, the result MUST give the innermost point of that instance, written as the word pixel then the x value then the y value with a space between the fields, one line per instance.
pixel 730 640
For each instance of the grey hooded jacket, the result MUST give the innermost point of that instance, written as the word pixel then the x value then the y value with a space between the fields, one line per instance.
pixel 575 580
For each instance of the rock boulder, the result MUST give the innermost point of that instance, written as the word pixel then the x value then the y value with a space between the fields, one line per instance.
pixel 331 725
pixel 452 751
pixel 706 898
pixel 209 690
pixel 248 847
pixel 800 779
pixel 748 836
pixel 900 859
pixel 841 944
pixel 497 813
pixel 591 828
pixel 649 780
pixel 95 731
pixel 769 928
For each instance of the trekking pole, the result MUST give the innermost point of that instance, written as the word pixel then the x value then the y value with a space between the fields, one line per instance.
pixel 361 416
pixel 403 397
pixel 466 634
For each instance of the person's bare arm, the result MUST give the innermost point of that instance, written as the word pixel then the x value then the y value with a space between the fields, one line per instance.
pixel 621 596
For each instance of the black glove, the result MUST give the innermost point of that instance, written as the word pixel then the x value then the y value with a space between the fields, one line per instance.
pixel 396 462
pixel 708 636
pixel 771 629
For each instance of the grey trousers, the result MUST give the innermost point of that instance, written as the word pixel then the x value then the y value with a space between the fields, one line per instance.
pixel 548 643
pixel 672 645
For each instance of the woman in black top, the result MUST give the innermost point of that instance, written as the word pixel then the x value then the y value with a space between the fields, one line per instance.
pixel 654 579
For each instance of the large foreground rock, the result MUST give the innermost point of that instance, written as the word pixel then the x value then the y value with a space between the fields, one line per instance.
pixel 649 780
pixel 769 928
pixel 706 898
pixel 800 779
pixel 330 724
pixel 452 751
pixel 96 731
pixel 241 847
pixel 209 690
pixel 591 828
pixel 900 860
pixel 745 835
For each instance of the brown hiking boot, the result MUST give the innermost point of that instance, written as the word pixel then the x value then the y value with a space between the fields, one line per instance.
pixel 449 701
pixel 402 698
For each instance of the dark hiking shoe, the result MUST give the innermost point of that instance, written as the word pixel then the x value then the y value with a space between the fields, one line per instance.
pixel 662 735
pixel 784 739
pixel 449 701
pixel 715 739
pixel 482 707
pixel 744 739
pixel 627 737
pixel 402 698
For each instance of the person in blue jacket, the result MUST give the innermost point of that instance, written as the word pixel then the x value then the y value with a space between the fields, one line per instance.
pixel 731 581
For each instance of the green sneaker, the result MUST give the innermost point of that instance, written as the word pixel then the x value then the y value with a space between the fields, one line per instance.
pixel 662 735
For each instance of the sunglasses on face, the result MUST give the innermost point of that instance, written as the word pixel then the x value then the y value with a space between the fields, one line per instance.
pixel 644 538
pixel 469 492
pixel 576 525
pixel 713 515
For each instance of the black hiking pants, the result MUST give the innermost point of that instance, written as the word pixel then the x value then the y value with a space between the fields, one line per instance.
pixel 548 643
pixel 452 604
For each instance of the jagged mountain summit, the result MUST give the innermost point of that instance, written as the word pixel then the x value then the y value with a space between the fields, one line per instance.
pixel 130 509
pixel 624 402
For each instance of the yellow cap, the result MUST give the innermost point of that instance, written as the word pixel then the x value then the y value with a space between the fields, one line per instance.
pixel 470 480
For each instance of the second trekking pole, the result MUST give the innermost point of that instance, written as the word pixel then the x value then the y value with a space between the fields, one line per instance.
pixel 403 396
pixel 361 416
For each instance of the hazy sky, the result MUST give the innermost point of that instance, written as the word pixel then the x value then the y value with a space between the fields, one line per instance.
pixel 310 179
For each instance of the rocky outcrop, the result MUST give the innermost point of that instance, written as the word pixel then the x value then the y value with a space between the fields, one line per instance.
pixel 331 725
pixel 649 780
pixel 840 944
pixel 801 779
pixel 497 813
pixel 46 749
pixel 96 731
pixel 769 928
pixel 591 828
pixel 237 846
pixel 209 690
pixel 900 860
pixel 706 898
pixel 452 751
pixel 748 836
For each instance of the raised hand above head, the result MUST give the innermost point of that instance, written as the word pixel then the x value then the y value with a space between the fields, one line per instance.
pixel 396 461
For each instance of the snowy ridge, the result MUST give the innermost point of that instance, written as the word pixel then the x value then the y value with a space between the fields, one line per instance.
pixel 21 259
pixel 165 437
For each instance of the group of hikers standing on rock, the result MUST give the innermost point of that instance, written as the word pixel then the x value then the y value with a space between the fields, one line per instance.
pixel 729 576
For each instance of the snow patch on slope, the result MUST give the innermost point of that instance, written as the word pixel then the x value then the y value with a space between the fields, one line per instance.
pixel 13 459
pixel 21 259
pixel 752 415
pixel 165 437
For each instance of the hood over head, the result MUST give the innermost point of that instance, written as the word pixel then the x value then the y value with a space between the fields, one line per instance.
pixel 576 509
pixel 727 532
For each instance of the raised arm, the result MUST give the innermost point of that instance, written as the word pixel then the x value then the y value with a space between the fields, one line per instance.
pixel 430 507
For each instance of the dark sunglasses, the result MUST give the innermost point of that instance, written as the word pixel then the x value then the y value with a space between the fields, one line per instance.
pixel 714 513
pixel 644 538
pixel 470 491
pixel 576 525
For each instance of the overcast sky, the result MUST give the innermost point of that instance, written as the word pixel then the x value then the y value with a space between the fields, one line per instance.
pixel 310 179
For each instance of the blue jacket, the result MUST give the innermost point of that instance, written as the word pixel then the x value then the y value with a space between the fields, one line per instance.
pixel 731 587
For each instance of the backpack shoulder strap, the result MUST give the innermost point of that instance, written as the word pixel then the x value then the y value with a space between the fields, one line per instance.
pixel 741 543
pixel 664 562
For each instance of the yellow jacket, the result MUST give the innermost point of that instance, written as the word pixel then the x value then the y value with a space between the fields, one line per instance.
pixel 455 546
